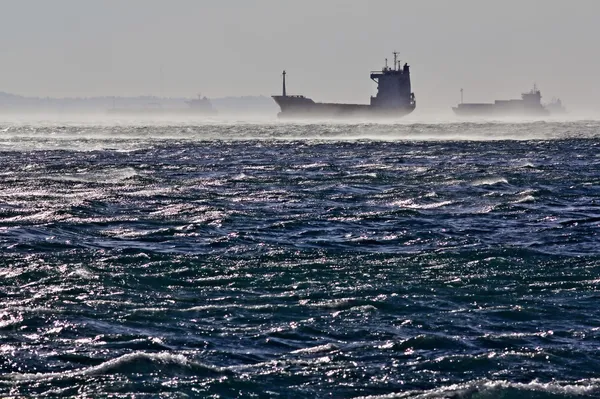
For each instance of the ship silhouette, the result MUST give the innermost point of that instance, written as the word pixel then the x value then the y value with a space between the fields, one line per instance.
pixel 556 107
pixel 394 98
pixel 530 104
pixel 196 106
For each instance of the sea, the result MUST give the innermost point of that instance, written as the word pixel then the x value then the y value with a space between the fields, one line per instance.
pixel 273 259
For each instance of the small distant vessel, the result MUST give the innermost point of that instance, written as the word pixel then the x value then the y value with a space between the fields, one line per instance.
pixel 556 107
pixel 394 98
pixel 530 104
pixel 196 106
pixel 201 104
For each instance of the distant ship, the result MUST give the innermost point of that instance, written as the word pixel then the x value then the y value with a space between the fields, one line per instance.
pixel 530 104
pixel 196 106
pixel 394 98
pixel 556 107
pixel 201 104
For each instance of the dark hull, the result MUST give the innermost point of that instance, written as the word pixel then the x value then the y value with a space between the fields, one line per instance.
pixel 301 107
pixel 498 112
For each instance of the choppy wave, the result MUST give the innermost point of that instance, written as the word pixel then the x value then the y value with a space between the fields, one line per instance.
pixel 408 260
pixel 503 389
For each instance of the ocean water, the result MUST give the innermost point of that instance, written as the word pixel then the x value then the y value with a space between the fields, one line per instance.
pixel 300 260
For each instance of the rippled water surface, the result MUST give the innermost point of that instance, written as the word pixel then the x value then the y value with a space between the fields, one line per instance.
pixel 447 260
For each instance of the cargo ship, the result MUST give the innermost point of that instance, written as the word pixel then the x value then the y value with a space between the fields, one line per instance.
pixel 530 104
pixel 196 106
pixel 556 107
pixel 394 98
pixel 201 105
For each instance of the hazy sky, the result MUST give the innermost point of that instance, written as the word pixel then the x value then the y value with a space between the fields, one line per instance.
pixel 493 49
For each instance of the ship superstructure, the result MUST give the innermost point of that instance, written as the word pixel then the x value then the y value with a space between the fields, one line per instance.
pixel 394 98
pixel 201 105
pixel 556 107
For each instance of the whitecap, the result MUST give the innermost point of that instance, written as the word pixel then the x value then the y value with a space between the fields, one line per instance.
pixel 315 349
pixel 108 366
pixel 410 204
pixel 527 198
pixel 479 387
pixel 313 165
pixel 490 181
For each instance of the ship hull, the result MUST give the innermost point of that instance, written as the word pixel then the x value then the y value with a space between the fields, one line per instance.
pixel 530 105
pixel 478 112
pixel 298 107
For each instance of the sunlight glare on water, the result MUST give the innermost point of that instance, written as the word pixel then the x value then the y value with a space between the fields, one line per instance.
pixel 412 260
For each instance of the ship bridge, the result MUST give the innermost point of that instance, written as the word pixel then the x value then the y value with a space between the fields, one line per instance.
pixel 393 86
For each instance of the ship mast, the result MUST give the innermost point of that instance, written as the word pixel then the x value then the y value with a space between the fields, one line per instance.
pixel 395 60
pixel 284 92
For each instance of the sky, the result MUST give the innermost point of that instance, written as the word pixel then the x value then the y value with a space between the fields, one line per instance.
pixel 491 49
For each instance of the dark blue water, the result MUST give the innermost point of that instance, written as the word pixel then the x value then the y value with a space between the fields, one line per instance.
pixel 293 261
